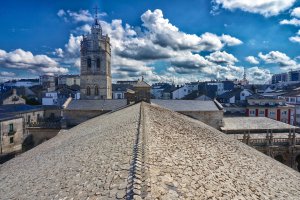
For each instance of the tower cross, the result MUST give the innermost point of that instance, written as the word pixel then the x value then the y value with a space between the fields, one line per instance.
pixel 96 11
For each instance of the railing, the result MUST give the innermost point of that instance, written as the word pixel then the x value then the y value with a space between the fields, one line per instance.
pixel 11 132
pixel 274 141
pixel 53 123
pixel 258 142
pixel 281 141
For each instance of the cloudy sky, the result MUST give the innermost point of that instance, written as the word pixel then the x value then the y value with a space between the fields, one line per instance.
pixel 163 40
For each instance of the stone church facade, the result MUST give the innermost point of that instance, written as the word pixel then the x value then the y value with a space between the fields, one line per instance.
pixel 95 82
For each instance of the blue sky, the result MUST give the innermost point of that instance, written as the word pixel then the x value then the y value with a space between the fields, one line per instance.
pixel 178 41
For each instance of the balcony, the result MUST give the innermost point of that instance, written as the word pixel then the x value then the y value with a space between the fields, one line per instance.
pixel 11 132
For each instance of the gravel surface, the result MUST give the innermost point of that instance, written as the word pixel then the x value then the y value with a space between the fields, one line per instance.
pixel 190 160
pixel 145 152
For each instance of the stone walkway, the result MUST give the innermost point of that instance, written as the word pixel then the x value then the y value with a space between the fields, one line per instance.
pixel 145 152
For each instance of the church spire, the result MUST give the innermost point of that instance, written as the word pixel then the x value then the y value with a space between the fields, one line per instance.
pixel 96 15
pixel 96 28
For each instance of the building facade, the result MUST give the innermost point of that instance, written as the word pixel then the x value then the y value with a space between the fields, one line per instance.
pixel 69 80
pixel 95 77
pixel 11 134
pixel 274 108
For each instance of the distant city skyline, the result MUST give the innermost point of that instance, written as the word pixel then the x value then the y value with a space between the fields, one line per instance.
pixel 163 41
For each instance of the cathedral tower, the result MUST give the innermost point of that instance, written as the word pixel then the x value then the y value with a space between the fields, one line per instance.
pixel 95 57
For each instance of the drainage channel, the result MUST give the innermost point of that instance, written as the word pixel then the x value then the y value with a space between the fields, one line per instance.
pixel 136 180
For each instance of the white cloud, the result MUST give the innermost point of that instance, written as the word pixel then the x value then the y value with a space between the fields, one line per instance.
pixel 296 12
pixel 20 59
pixel 294 22
pixel 266 8
pixel 165 34
pixel 61 13
pixel 295 39
pixel 81 16
pixel 7 74
pixel 137 50
pixel 222 58
pixel 59 52
pixel 252 60
pixel 276 57
pixel 258 75
pixel 230 41
pixel 73 45
pixel 77 17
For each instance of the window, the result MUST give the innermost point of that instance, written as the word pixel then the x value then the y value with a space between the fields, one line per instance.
pixel 272 113
pixel 292 99
pixel 11 140
pixel 96 91
pixel 284 112
pixel 28 119
pixel 88 91
pixel 98 63
pixel 119 96
pixel 11 127
pixel 252 112
pixel 261 112
pixel 89 63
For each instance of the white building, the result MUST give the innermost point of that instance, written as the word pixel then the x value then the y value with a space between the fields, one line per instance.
pixel 184 90
pixel 51 98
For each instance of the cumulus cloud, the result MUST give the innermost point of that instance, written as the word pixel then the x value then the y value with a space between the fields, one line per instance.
pixel 252 60
pixel 59 52
pixel 296 12
pixel 20 59
pixel 222 58
pixel 77 17
pixel 230 41
pixel 266 8
pixel 258 75
pixel 137 50
pixel 165 34
pixel 279 58
pixel 295 39
pixel 294 22
pixel 73 45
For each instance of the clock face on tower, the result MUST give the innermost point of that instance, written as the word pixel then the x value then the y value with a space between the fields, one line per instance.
pixel 95 71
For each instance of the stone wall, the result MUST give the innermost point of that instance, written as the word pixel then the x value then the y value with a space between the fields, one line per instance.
pixel 75 117
pixel 11 141
pixel 211 118
pixel 38 136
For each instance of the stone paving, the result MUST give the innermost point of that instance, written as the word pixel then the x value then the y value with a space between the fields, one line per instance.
pixel 145 152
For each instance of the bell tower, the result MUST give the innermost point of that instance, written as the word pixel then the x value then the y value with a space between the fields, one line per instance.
pixel 95 59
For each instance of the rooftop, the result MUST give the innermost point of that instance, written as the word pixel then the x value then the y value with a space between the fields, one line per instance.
pixel 146 152
pixel 186 105
pixel 19 108
pixel 254 124
pixel 107 104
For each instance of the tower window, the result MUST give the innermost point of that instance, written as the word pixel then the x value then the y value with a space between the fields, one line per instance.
pixel 98 62
pixel 88 91
pixel 96 91
pixel 89 63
